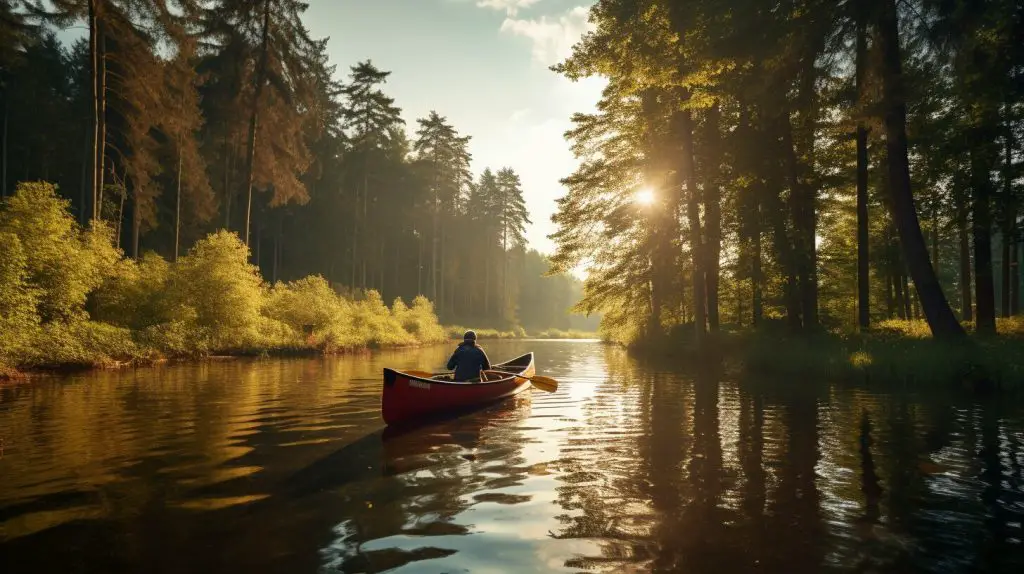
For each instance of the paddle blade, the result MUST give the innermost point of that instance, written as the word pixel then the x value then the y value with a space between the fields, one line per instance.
pixel 546 384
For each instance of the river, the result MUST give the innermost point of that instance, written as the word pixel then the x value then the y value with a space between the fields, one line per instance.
pixel 282 466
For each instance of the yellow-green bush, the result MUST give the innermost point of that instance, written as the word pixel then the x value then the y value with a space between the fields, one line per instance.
pixel 84 343
pixel 216 282
pixel 134 295
pixel 420 321
pixel 69 297
pixel 62 264
pixel 18 301
pixel 457 331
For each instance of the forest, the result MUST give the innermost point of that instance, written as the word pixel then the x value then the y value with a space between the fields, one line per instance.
pixel 170 121
pixel 801 166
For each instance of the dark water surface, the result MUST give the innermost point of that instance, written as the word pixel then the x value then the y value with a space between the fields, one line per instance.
pixel 281 466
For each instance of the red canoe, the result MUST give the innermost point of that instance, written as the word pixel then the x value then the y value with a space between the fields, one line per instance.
pixel 407 398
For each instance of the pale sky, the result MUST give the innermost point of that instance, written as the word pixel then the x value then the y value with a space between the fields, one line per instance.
pixel 484 65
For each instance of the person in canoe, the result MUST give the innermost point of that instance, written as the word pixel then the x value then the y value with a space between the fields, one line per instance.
pixel 469 359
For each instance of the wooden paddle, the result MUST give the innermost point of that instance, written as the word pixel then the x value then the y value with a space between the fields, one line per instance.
pixel 543 383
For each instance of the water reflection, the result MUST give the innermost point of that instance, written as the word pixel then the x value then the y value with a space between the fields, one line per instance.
pixel 283 466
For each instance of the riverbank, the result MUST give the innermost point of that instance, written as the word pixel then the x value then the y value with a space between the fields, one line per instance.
pixel 455 333
pixel 895 353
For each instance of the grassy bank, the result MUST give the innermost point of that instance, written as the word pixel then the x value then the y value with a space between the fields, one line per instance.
pixel 69 298
pixel 455 332
pixel 895 353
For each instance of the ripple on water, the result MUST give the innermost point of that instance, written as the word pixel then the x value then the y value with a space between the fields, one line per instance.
pixel 280 466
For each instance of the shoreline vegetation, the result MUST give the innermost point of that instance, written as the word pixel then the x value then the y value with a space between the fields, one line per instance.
pixel 70 300
pixel 897 353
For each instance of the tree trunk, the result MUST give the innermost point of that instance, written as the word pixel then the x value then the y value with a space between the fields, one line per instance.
pixel 940 317
pixel 85 193
pixel 233 161
pixel 1009 221
pixel 277 253
pixel 441 279
pixel 863 237
pixel 1015 279
pixel 784 251
pixel 259 243
pixel 120 217
pixel 3 170
pixel 801 203
pixel 177 208
pixel 381 265
pixel 713 210
pixel 963 240
pixel 504 271
pixel 94 52
pixel 261 78
pixel 984 286
pixel 756 273
pixel 487 285
pixel 101 162
pixel 227 179
pixel 434 238
pixel 890 296
pixel 900 286
pixel 907 295
pixel 1004 273
pixel 689 172
pixel 355 240
pixel 136 220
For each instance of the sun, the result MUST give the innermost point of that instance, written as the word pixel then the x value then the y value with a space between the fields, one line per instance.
pixel 644 196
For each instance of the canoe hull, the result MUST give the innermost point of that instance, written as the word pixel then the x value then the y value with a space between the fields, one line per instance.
pixel 406 398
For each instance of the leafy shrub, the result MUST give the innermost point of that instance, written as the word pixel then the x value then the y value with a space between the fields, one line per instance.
pixel 61 263
pixel 913 328
pixel 420 321
pixel 216 289
pixel 84 343
pixel 134 295
pixel 374 323
pixel 308 307
pixel 18 300
pixel 69 297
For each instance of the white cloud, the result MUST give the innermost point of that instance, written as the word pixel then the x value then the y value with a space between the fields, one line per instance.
pixel 511 7
pixel 518 116
pixel 552 37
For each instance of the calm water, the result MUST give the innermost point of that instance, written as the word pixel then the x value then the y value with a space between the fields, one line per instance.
pixel 281 466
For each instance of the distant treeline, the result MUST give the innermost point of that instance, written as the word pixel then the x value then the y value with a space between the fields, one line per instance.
pixel 174 119
pixel 828 165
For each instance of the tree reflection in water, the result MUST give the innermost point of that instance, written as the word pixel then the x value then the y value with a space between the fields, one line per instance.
pixel 282 466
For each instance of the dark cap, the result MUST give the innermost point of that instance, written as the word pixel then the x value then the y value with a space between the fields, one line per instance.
pixel 470 335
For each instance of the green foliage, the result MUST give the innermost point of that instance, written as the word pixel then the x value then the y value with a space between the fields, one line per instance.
pixel 83 344
pixel 884 359
pixel 18 300
pixel 210 301
pixel 133 294
pixel 419 320
pixel 219 291
pixel 62 264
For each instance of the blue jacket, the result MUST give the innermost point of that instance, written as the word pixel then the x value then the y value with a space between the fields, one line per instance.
pixel 468 360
